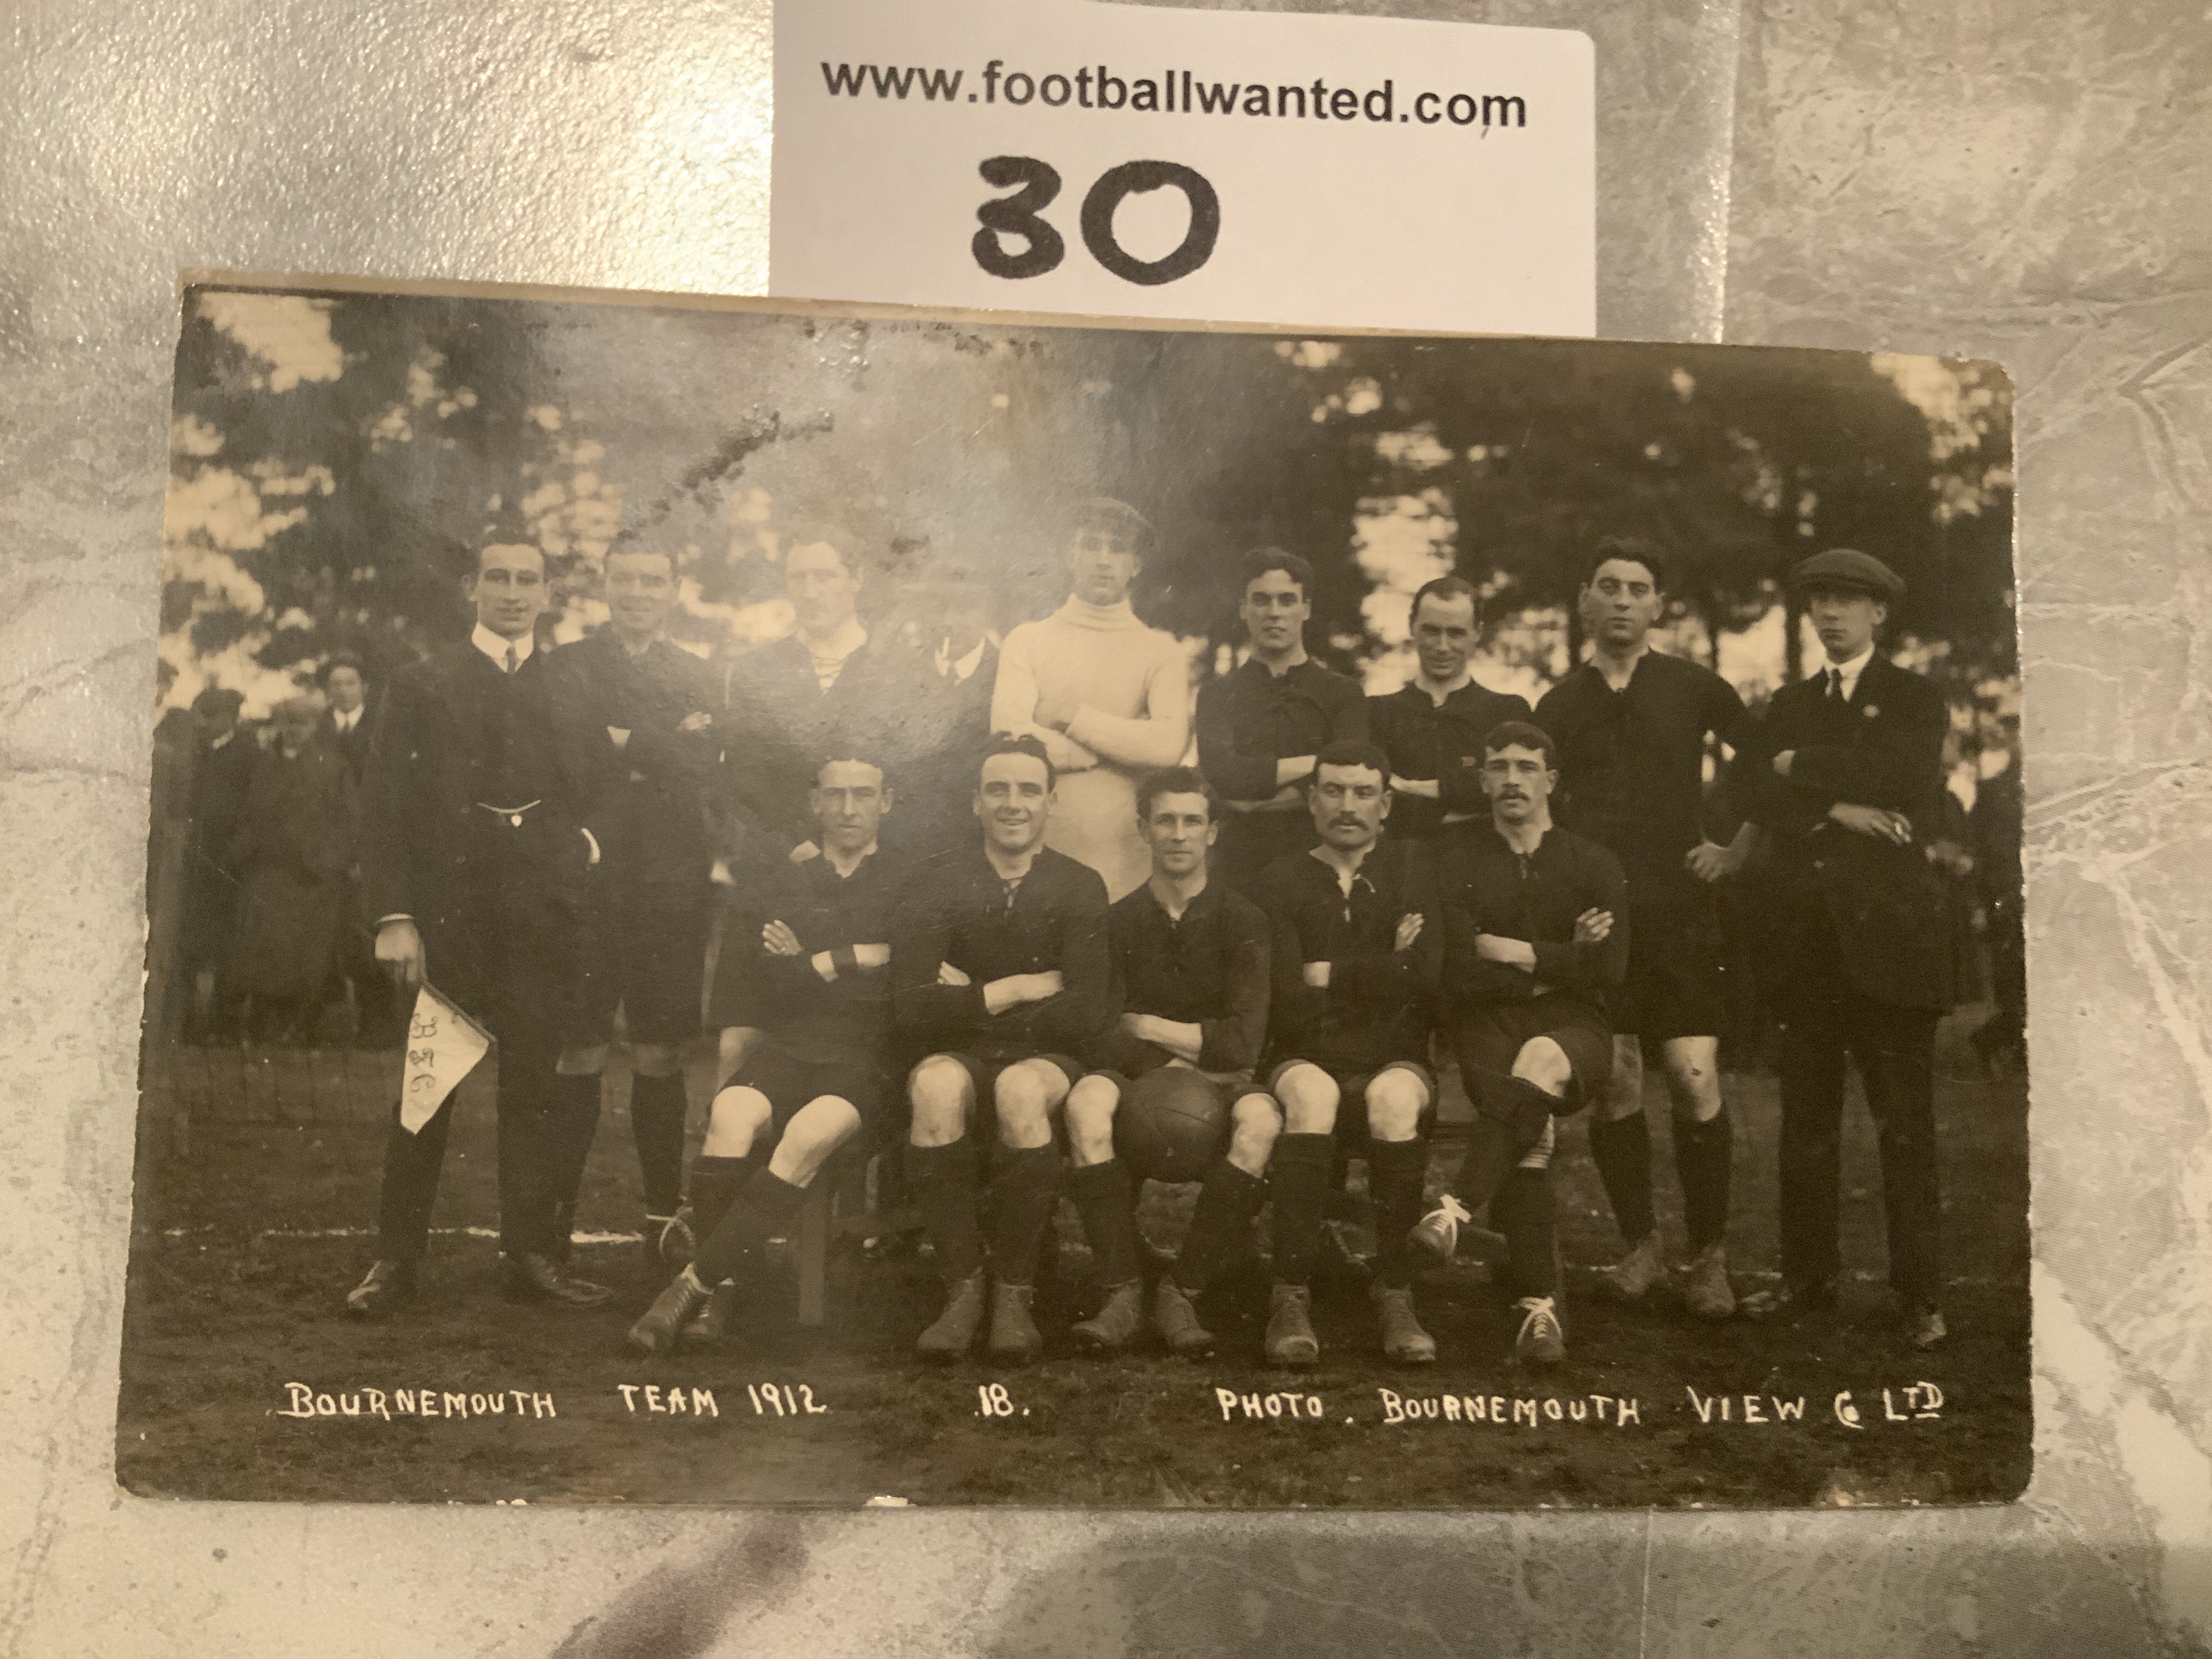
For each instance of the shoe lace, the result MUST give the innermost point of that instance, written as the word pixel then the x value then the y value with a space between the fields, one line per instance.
pixel 1451 1208
pixel 1541 1313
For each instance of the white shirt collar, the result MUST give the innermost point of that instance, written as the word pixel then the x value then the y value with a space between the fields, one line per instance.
pixel 1851 671
pixel 960 668
pixel 496 648
pixel 346 719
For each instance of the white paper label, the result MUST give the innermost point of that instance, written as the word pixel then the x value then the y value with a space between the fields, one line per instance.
pixel 1134 161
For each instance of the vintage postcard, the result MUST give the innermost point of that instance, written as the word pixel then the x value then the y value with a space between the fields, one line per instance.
pixel 769 904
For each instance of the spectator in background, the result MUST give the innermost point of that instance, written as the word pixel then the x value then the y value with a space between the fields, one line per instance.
pixel 347 723
pixel 222 768
pixel 292 851
pixel 349 720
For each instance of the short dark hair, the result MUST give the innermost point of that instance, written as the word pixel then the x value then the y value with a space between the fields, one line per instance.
pixel 1353 752
pixel 1017 743
pixel 1445 587
pixel 1260 560
pixel 631 546
pixel 218 700
pixel 1175 781
pixel 1106 513
pixel 1631 549
pixel 838 756
pixel 816 529
pixel 1522 734
pixel 341 659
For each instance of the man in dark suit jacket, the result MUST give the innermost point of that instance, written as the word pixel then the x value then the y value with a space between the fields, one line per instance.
pixel 351 724
pixel 646 719
pixel 1844 774
pixel 349 721
pixel 223 771
pixel 472 859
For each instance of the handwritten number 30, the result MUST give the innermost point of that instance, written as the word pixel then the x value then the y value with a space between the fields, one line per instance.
pixel 1021 214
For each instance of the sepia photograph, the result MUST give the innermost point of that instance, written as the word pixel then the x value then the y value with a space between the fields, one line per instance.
pixel 766 904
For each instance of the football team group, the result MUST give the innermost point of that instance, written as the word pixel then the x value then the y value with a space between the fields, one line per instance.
pixel 983 905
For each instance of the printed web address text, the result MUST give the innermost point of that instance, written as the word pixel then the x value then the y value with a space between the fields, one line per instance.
pixel 1176 92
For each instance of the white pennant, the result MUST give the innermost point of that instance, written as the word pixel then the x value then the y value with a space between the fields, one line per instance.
pixel 443 1046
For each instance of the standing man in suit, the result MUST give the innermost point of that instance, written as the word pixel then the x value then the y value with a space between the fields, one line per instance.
pixel 1261 726
pixel 1432 727
pixel 1845 774
pixel 472 860
pixel 643 709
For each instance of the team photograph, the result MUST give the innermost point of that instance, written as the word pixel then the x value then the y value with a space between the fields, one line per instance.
pixel 759 903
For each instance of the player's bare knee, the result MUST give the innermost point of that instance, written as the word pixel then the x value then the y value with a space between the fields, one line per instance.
pixel 587 1059
pixel 1693 1080
pixel 1544 1063
pixel 1090 1105
pixel 812 1137
pixel 1255 1122
pixel 1310 1097
pixel 1023 1103
pixel 940 1093
pixel 734 1121
pixel 1395 1101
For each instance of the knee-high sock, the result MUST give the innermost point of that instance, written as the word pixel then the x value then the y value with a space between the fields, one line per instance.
pixel 943 1182
pixel 1226 1204
pixel 1510 1119
pixel 1704 1159
pixel 1622 1148
pixel 761 1212
pixel 1523 1212
pixel 1396 1171
pixel 1106 1199
pixel 1298 1179
pixel 1024 1186
pixel 715 1184
pixel 656 1121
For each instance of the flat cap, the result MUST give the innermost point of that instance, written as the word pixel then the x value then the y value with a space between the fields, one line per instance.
pixel 1846 567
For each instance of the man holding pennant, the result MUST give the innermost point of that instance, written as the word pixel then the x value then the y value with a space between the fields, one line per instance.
pixel 473 862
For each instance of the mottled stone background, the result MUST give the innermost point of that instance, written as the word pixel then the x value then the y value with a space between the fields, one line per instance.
pixel 2031 182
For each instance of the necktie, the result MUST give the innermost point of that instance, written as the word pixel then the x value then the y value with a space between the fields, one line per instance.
pixel 513 662
pixel 1835 685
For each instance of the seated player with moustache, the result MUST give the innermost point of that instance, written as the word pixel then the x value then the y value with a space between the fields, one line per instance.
pixel 1535 934
pixel 813 996
pixel 1190 972
pixel 1000 969
pixel 1355 958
